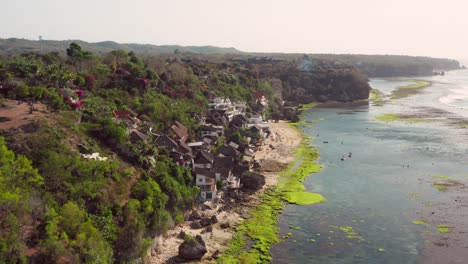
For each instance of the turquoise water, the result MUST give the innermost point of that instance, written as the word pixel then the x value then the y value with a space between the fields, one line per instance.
pixel 374 196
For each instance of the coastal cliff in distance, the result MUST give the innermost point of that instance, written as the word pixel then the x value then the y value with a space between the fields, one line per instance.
pixel 306 80
pixel 394 65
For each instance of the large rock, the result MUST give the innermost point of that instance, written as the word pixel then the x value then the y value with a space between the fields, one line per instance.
pixel 252 181
pixel 196 225
pixel 205 221
pixel 192 248
pixel 195 215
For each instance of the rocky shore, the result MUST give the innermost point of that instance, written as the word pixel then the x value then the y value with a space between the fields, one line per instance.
pixel 215 225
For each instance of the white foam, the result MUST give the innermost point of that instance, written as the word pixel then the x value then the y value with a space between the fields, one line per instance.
pixel 455 95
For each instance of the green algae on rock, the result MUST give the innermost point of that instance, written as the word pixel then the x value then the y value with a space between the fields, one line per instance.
pixel 391 117
pixel 261 226
pixel 444 229
pixel 410 89
pixel 376 97
pixel 304 198
pixel 440 187
pixel 420 222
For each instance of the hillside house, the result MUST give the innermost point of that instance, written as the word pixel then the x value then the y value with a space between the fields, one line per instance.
pixel 228 151
pixel 238 122
pixel 166 142
pixel 224 162
pixel 203 160
pixel 126 117
pixel 137 136
pixel 210 130
pixel 180 131
pixel 206 181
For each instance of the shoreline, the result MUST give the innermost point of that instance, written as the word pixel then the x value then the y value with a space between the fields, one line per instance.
pixel 230 235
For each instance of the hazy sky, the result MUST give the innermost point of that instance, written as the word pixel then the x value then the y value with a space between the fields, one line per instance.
pixel 411 27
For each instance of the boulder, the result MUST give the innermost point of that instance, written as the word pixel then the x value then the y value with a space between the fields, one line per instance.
pixel 200 240
pixel 214 219
pixel 196 225
pixel 195 215
pixel 252 182
pixel 192 248
pixel 182 234
pixel 205 222
pixel 209 228
pixel 225 225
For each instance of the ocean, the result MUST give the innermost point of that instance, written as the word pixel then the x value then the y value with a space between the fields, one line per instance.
pixel 400 197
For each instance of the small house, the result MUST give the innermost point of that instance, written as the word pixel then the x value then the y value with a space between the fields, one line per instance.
pixel 228 151
pixel 180 131
pixel 206 181
pixel 203 160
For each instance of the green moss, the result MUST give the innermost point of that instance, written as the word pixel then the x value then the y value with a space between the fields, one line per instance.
pixel 420 222
pixel 410 89
pixel 444 229
pixel 442 177
pixel 348 231
pixel 376 97
pixel 308 106
pixel 440 187
pixel 298 124
pixel 304 198
pixel 391 117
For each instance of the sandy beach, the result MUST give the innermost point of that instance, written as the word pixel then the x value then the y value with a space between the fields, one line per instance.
pixel 277 148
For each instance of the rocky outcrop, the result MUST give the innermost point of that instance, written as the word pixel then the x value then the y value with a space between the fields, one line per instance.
pixel 192 248
pixel 309 80
pixel 252 181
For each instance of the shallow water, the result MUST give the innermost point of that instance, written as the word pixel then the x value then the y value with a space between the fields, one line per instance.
pixel 384 186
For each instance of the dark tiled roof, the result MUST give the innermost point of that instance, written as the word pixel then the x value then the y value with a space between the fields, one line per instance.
pixel 138 135
pixel 228 151
pixel 165 141
pixel 205 172
pixel 204 156
pixel 224 162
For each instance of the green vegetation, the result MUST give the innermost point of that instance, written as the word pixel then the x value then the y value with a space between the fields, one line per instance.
pixel 305 107
pixel 447 182
pixel 410 89
pixel 261 227
pixel 420 222
pixel 442 177
pixel 80 210
pixel 376 97
pixel 304 198
pixel 391 117
pixel 444 229
pixel 348 231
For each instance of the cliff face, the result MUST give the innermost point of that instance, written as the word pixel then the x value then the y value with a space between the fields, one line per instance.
pixel 337 84
pixel 305 81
